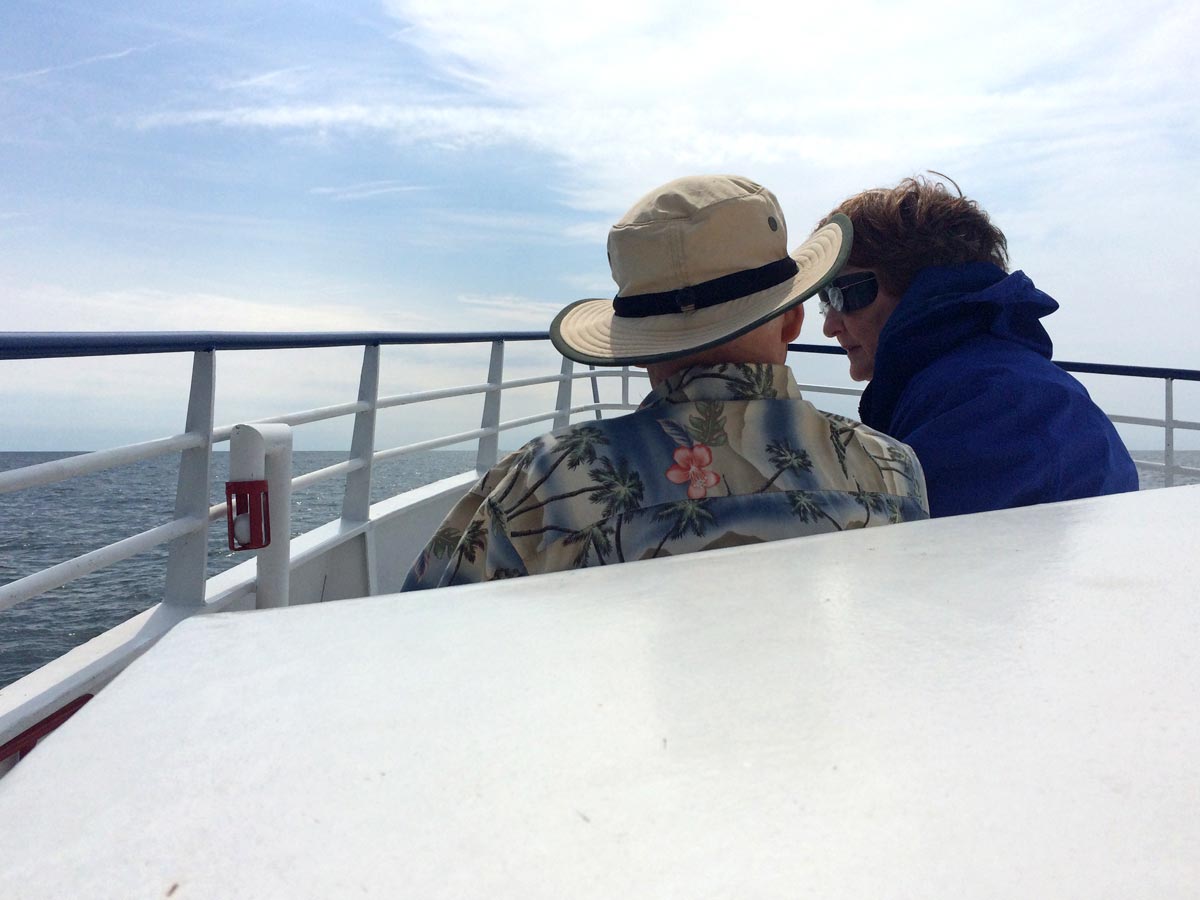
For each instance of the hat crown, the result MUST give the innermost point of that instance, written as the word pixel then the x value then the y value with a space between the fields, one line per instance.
pixel 694 230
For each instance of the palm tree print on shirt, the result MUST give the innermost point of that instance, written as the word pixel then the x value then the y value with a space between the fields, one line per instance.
pixel 807 507
pixel 595 537
pixel 877 502
pixel 786 458
pixel 684 516
pixel 473 540
pixel 743 381
pixel 619 490
pixel 900 462
pixel 840 431
pixel 444 541
pixel 576 447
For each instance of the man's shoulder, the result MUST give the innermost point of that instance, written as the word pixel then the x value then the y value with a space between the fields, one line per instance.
pixel 853 427
pixel 572 447
pixel 597 431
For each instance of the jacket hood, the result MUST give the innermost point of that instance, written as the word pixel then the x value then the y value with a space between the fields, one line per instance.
pixel 944 307
pixel 947 304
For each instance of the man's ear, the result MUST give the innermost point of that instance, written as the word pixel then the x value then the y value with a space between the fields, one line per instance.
pixel 792 321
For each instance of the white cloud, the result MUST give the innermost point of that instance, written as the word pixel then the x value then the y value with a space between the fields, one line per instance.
pixel 368 190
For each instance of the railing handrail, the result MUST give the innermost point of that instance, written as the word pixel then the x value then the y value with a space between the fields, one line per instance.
pixel 1065 365
pixel 1129 371
pixel 62 344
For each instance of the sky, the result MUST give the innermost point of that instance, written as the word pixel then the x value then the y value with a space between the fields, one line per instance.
pixel 455 166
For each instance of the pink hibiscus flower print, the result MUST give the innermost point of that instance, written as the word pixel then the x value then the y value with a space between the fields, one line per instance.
pixel 690 466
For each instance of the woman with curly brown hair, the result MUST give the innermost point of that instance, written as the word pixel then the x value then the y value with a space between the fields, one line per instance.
pixel 957 359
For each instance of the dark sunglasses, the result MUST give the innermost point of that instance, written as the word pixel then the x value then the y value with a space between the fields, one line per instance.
pixel 849 293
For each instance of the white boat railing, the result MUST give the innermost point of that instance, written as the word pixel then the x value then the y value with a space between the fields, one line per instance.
pixel 187 532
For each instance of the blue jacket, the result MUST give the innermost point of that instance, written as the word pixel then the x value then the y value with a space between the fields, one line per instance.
pixel 963 375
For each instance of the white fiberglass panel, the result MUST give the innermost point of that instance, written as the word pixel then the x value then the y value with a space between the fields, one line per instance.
pixel 1000 705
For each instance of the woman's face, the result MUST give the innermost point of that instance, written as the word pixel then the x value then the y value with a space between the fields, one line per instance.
pixel 858 331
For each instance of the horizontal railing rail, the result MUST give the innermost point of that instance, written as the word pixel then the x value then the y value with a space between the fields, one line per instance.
pixel 1178 424
pixel 57 470
pixel 1129 371
pixel 59 345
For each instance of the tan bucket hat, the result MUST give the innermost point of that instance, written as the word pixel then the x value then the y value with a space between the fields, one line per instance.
pixel 697 262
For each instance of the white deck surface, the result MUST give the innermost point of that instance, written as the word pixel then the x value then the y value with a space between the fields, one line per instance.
pixel 1004 705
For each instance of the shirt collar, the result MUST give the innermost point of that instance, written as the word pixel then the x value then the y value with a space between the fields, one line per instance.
pixel 725 381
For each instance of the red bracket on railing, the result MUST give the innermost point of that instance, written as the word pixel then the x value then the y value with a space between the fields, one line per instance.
pixel 247 515
pixel 27 739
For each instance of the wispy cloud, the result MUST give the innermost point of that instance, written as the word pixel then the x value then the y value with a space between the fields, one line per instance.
pixel 506 310
pixel 455 126
pixel 368 190
pixel 48 306
pixel 594 232
pixel 592 285
pixel 526 224
pixel 287 80
pixel 78 64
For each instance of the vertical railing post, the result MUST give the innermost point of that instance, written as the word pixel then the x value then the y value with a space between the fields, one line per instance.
pixel 264 452
pixel 356 503
pixel 187 559
pixel 1169 435
pixel 595 391
pixel 562 406
pixel 624 385
pixel 489 444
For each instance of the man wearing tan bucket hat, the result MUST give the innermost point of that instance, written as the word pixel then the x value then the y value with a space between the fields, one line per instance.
pixel 724 450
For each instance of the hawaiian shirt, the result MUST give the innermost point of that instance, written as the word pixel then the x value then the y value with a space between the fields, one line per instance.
pixel 715 456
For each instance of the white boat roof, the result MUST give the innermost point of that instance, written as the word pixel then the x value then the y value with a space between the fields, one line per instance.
pixel 1002 705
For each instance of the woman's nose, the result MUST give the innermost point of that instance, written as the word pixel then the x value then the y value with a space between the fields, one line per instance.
pixel 833 323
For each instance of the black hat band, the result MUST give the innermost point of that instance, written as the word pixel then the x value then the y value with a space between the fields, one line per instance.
pixel 707 293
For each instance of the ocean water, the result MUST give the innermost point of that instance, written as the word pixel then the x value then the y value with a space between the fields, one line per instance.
pixel 1187 458
pixel 44 526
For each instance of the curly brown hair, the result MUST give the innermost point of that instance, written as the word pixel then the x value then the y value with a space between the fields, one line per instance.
pixel 919 223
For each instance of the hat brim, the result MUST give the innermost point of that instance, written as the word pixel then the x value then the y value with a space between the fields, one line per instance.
pixel 589 332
